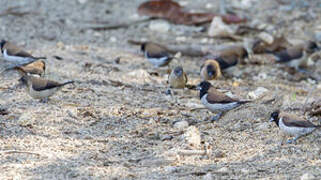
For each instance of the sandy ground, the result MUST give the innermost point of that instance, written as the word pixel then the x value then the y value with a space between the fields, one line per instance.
pixel 117 123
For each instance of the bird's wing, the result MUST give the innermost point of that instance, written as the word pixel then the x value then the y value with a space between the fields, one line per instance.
pixel 41 84
pixel 294 121
pixel 214 96
pixel 13 50
pixel 156 51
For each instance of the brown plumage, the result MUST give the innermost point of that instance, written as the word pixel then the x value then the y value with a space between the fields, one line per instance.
pixel 296 52
pixel 216 101
pixel 156 54
pixel 293 125
pixel 210 70
pixel 177 78
pixel 40 88
pixel 14 50
pixel 35 68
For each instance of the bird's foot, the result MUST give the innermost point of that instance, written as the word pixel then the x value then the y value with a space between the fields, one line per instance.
pixel 216 117
pixel 291 141
pixel 44 100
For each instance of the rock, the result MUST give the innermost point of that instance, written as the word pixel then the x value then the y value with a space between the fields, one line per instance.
pixel 223 170
pixel 218 28
pixel 266 37
pixel 181 125
pixel 193 137
pixel 159 26
pixel 112 39
pixel 307 176
pixel 263 126
pixel 208 176
pixel 181 39
pixel 82 1
pixel 317 36
pixel 171 169
pixel 259 92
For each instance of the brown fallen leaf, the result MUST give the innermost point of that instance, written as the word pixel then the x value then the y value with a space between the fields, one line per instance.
pixel 173 12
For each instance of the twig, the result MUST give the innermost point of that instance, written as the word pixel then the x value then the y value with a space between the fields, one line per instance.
pixel 116 25
pixel 16 151
pixel 11 11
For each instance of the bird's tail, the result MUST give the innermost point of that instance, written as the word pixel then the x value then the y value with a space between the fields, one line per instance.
pixel 244 101
pixel 37 58
pixel 68 82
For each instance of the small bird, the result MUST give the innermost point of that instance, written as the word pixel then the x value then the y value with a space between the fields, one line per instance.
pixel 216 101
pixel 177 78
pixel 156 54
pixel 210 70
pixel 296 52
pixel 293 125
pixel 37 68
pixel 40 88
pixel 15 54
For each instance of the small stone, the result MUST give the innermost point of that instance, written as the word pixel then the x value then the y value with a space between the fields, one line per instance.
pixel 218 28
pixel 208 176
pixel 171 169
pixel 166 137
pixel 223 170
pixel 60 45
pixel 307 176
pixel 112 39
pixel 159 26
pixel 259 92
pixel 181 39
pixel 193 137
pixel 181 125
pixel 266 37
pixel 317 35
pixel 82 1
pixel 263 126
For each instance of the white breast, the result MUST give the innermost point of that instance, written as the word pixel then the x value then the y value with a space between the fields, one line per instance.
pixel 157 61
pixel 16 59
pixel 294 130
pixel 42 94
pixel 218 107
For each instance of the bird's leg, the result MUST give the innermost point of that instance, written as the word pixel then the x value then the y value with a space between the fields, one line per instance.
pixel 217 117
pixel 44 100
pixel 294 139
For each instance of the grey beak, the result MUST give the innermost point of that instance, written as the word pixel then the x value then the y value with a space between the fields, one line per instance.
pixel 271 119
pixel 198 87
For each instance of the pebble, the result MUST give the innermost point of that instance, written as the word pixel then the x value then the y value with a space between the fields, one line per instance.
pixel 262 126
pixel 307 176
pixel 208 176
pixel 181 125
pixel 181 39
pixel 218 28
pixel 112 39
pixel 82 1
pixel 193 137
pixel 159 26
pixel 259 92
pixel 266 37
pixel 317 35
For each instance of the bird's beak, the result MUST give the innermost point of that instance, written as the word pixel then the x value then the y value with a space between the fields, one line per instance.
pixel 198 87
pixel 271 119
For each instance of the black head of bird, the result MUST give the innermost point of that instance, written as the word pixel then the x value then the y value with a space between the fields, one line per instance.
pixel 275 117
pixel 203 87
pixel 312 47
pixel 178 71
pixel 142 47
pixel 2 43
pixel 211 71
